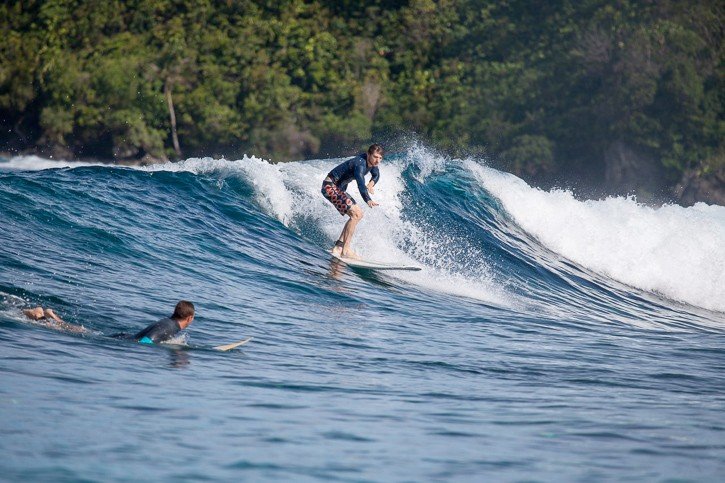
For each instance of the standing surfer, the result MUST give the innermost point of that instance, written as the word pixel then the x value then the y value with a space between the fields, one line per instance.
pixel 335 184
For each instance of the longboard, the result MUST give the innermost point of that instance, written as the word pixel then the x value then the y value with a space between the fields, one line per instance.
pixel 232 345
pixel 371 265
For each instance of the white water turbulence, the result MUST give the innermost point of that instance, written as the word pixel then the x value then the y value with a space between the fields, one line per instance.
pixel 265 177
pixel 36 163
pixel 384 234
pixel 676 252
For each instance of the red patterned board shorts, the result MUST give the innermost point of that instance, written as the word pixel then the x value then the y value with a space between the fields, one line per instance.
pixel 339 199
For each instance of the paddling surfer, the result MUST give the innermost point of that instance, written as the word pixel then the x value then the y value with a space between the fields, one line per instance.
pixel 50 319
pixel 168 327
pixel 335 184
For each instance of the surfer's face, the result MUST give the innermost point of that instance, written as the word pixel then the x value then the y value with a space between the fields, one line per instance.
pixel 374 159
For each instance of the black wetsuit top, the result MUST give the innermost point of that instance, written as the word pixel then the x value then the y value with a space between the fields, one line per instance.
pixel 355 168
pixel 159 331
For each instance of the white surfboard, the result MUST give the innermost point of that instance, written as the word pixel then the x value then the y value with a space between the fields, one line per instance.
pixel 231 346
pixel 371 265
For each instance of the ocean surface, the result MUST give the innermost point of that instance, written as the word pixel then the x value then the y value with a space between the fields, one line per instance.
pixel 546 338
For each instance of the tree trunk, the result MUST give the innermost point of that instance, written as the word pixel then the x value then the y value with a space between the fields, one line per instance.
pixel 172 116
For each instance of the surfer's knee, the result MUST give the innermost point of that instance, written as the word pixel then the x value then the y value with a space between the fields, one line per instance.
pixel 355 213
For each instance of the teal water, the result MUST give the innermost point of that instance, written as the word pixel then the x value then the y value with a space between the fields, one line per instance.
pixel 547 338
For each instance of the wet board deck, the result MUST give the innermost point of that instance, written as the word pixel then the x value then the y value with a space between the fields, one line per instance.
pixel 371 265
pixel 231 346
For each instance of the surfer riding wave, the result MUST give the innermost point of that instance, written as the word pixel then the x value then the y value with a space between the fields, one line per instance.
pixel 334 189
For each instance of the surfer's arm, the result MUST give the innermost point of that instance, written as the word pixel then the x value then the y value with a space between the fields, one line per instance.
pixel 360 178
pixel 63 325
pixel 52 315
pixel 375 172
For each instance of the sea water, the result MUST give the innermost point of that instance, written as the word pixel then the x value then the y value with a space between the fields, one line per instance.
pixel 547 338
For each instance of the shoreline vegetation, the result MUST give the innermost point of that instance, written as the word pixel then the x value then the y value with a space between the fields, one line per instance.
pixel 605 97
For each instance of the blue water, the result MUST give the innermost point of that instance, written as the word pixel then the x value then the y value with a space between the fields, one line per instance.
pixel 547 338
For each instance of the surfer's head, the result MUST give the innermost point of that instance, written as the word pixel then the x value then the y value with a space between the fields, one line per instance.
pixel 375 154
pixel 184 313
pixel 183 310
pixel 36 313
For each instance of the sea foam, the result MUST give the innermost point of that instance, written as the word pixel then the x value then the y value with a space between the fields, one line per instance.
pixel 671 250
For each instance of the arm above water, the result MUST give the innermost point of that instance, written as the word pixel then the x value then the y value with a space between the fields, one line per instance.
pixel 52 315
pixel 360 179
pixel 62 324
pixel 375 172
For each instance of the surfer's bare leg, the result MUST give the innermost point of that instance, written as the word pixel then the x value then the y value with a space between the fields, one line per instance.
pixel 355 214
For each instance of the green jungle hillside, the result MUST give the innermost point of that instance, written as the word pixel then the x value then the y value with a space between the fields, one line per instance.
pixel 616 96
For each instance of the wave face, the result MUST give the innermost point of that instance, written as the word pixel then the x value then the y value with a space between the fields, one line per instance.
pixel 545 335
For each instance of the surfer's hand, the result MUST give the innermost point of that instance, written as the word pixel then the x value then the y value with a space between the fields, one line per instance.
pixel 371 188
pixel 371 203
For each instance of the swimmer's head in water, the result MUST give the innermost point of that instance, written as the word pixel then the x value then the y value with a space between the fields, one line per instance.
pixel 36 314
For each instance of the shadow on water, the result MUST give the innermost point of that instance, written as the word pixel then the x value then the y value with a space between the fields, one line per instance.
pixel 338 269
pixel 179 358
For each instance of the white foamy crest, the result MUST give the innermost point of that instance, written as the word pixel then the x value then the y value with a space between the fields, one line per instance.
pixel 427 161
pixel 192 165
pixel 36 163
pixel 674 251
pixel 384 234
pixel 266 178
pixel 269 187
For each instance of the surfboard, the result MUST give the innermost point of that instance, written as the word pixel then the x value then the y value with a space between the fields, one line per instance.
pixel 372 265
pixel 231 346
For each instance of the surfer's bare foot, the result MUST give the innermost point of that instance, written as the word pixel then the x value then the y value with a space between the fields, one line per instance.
pixel 351 254
pixel 337 249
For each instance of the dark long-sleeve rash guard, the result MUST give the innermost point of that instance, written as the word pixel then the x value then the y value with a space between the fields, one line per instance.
pixel 355 168
pixel 160 331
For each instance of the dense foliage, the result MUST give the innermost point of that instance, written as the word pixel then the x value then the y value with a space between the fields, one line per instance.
pixel 545 87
